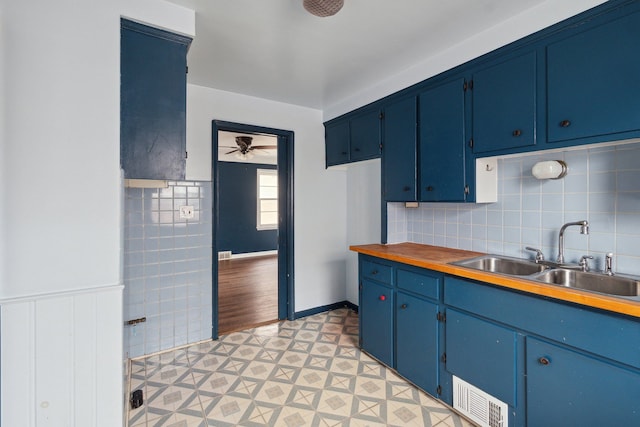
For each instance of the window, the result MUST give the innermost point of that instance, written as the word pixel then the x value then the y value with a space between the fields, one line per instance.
pixel 267 199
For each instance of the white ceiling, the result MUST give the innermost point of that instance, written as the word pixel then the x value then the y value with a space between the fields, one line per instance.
pixel 274 49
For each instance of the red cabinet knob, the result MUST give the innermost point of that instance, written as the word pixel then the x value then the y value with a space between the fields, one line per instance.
pixel 382 298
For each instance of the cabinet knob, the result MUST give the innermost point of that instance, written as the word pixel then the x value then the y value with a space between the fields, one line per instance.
pixel 544 361
pixel 356 149
pixel 565 123
pixel 430 188
pixel 406 188
pixel 403 306
pixel 382 297
pixel 374 272
pixel 516 132
pixel 344 153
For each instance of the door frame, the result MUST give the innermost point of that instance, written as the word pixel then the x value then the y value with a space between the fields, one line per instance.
pixel 286 309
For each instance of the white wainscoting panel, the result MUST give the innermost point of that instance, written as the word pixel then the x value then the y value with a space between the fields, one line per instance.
pixel 61 359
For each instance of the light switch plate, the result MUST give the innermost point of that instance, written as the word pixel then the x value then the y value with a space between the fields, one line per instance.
pixel 186 212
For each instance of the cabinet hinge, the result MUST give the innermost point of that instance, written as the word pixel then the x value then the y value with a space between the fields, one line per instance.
pixel 471 143
pixel 380 147
pixel 186 71
pixel 464 86
pixel 381 115
pixel 439 390
pixel 441 317
pixel 443 358
pixel 466 189
pixel 470 84
pixel 360 285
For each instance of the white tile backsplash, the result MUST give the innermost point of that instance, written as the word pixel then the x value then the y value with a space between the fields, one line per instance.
pixel 602 186
pixel 168 267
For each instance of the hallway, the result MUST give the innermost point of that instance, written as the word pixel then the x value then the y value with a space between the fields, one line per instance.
pixel 247 293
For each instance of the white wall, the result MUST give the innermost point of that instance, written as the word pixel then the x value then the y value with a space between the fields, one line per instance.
pixel 363 215
pixel 528 22
pixel 319 194
pixel 61 207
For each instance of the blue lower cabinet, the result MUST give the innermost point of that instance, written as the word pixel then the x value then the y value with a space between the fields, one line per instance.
pixel 566 387
pixel 376 321
pixel 482 354
pixel 417 341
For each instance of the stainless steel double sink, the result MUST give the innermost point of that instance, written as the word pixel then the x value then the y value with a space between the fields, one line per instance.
pixel 620 286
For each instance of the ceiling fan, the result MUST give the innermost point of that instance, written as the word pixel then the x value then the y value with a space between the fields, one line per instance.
pixel 245 148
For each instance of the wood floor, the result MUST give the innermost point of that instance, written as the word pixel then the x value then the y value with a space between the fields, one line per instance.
pixel 247 293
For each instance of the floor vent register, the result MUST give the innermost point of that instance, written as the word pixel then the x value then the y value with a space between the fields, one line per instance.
pixel 479 406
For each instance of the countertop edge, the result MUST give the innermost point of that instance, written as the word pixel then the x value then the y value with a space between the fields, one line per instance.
pixel 418 255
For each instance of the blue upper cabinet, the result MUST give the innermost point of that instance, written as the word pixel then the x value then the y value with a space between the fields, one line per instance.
pixel 504 105
pixel 399 161
pixel 442 143
pixel 365 136
pixel 153 66
pixel 353 138
pixel 337 143
pixel 593 84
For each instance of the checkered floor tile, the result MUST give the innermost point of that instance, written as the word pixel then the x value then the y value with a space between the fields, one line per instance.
pixel 307 372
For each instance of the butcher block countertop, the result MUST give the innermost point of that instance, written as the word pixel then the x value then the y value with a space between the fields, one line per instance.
pixel 438 258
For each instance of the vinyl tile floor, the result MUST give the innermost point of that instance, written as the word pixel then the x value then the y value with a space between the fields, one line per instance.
pixel 307 372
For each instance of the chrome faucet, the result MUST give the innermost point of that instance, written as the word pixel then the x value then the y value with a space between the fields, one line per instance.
pixel 584 229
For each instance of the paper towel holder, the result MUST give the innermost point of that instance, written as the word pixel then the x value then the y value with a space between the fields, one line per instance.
pixel 549 169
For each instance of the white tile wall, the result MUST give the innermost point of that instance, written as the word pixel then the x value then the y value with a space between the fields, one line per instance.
pixel 602 186
pixel 167 267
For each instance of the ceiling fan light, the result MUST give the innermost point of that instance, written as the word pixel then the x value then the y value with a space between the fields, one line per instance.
pixel 323 8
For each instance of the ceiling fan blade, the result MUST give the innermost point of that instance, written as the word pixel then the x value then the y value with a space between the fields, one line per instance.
pixel 232 151
pixel 264 147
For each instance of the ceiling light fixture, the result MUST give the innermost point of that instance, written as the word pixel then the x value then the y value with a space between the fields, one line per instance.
pixel 323 8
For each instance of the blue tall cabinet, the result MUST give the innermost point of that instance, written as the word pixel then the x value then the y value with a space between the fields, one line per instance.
pixel 153 94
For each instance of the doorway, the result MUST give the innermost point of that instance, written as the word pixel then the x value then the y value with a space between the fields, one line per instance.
pixel 246 278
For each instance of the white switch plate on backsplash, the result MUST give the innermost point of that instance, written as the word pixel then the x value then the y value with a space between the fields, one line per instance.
pixel 186 212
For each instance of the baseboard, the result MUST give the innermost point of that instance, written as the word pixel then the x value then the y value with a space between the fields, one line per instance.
pixel 324 308
pixel 229 255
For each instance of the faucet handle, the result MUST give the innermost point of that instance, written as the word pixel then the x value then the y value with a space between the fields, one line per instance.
pixel 539 254
pixel 584 262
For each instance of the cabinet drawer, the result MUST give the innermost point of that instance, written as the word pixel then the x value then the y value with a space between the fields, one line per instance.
pixel 427 285
pixel 377 272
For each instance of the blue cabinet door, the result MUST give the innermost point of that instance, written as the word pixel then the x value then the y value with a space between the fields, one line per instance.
pixel 337 143
pixel 442 143
pixel 376 321
pixel 417 351
pixel 365 136
pixel 153 65
pixel 565 387
pixel 504 105
pixel 482 354
pixel 592 82
pixel 399 159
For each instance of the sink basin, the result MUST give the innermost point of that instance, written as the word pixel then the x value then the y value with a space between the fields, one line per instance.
pixel 502 265
pixel 610 285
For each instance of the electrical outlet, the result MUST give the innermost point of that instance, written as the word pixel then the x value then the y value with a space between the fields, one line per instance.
pixel 186 212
